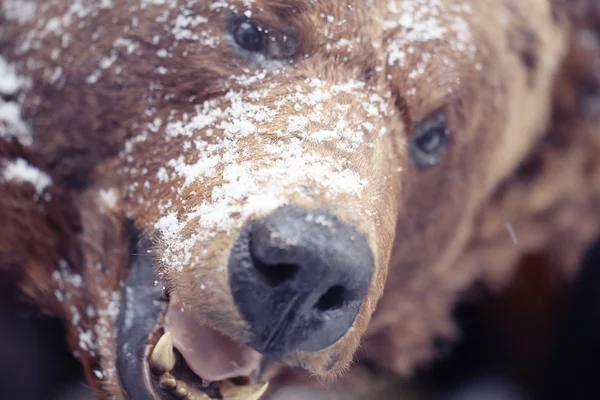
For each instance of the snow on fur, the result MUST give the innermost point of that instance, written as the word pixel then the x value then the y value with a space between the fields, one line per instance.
pixel 219 180
pixel 419 21
pixel 235 183
pixel 239 159
pixel 11 123
pixel 21 171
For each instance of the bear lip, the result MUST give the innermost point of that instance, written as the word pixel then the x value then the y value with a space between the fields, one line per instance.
pixel 141 310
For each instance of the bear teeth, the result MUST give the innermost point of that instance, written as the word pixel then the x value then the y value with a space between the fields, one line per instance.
pixel 162 358
pixel 167 381
pixel 228 390
pixel 180 389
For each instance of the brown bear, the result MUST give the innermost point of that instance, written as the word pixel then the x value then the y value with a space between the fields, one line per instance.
pixel 200 188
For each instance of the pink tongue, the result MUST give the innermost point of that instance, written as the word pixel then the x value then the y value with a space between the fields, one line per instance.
pixel 211 355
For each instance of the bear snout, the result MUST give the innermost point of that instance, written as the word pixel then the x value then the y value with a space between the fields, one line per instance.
pixel 299 278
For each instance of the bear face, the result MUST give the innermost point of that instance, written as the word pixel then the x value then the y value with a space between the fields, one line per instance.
pixel 288 160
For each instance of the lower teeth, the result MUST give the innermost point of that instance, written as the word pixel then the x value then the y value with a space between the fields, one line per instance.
pixel 180 389
pixel 167 381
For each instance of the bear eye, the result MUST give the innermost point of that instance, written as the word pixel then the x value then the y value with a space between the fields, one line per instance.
pixel 429 141
pixel 249 36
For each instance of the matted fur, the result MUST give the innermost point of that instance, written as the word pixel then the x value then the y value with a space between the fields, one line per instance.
pixel 145 111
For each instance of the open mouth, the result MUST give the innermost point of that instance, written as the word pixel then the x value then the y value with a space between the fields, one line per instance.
pixel 193 362
pixel 162 354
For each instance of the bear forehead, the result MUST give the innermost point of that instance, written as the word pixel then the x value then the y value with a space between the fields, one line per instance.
pixel 394 26
pixel 407 41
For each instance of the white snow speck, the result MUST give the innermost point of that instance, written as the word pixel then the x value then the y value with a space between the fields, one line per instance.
pixel 19 10
pixel 11 124
pixel 129 45
pixel 20 170
pixel 109 198
pixel 416 22
pixel 10 82
pixel 94 77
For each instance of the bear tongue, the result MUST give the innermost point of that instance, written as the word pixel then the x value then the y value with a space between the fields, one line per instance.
pixel 209 354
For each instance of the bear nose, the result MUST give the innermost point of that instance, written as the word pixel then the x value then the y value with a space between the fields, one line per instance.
pixel 299 278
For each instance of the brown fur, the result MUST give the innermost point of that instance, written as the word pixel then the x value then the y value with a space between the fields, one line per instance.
pixel 433 232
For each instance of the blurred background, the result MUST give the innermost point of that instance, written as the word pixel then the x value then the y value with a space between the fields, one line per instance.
pixel 538 339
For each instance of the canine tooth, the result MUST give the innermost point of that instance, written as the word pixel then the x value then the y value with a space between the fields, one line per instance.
pixel 229 391
pixel 162 358
pixel 167 381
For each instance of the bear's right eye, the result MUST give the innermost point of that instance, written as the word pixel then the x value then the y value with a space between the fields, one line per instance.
pixel 249 36
pixel 429 141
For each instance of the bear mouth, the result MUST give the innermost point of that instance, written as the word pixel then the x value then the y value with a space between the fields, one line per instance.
pixel 163 354
pixel 193 362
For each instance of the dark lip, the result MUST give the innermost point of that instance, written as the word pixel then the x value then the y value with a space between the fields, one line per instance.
pixel 142 306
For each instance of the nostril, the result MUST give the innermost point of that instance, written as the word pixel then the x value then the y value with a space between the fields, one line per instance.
pixel 274 273
pixel 277 274
pixel 333 299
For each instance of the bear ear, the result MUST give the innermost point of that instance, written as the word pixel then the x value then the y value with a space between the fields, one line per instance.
pixel 30 226
pixel 38 228
pixel 30 247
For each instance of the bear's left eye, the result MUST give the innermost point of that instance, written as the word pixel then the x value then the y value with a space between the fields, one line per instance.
pixel 249 36
pixel 429 141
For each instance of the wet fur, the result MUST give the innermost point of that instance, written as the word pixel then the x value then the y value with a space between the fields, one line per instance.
pixel 534 165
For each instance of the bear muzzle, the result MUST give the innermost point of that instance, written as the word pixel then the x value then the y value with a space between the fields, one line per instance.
pixel 298 278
